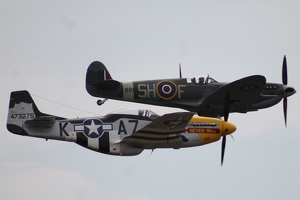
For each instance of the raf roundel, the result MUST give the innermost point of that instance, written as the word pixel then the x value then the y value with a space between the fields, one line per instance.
pixel 166 90
pixel 249 87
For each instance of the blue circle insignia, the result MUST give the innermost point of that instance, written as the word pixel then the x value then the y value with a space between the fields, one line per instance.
pixel 93 128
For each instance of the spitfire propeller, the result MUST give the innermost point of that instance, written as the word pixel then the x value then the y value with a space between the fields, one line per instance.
pixel 288 91
pixel 180 75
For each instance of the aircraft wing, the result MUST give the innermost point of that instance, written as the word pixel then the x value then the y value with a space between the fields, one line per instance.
pixel 165 129
pixel 243 94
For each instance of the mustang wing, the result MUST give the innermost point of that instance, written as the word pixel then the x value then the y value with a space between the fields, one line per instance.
pixel 164 130
pixel 243 94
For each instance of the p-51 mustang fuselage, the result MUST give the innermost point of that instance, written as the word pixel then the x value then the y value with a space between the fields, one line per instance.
pixel 202 95
pixel 124 133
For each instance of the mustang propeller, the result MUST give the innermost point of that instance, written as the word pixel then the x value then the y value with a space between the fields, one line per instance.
pixel 226 114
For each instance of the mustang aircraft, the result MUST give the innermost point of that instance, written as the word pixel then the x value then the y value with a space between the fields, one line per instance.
pixel 203 95
pixel 124 133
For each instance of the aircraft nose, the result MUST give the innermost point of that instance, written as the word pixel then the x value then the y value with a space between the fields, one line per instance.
pixel 288 91
pixel 228 128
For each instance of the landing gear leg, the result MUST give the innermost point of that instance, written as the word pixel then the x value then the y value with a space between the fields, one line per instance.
pixel 100 102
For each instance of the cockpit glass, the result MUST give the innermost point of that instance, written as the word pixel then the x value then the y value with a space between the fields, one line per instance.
pixel 211 80
pixel 201 80
pixel 140 112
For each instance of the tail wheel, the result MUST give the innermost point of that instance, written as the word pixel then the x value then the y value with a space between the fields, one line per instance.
pixel 99 102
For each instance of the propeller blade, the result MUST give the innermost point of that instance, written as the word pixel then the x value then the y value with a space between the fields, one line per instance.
pixel 226 105
pixel 226 114
pixel 180 76
pixel 285 101
pixel 223 149
pixel 284 82
pixel 284 72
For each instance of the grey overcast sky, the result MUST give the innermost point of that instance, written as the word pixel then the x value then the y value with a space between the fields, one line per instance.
pixel 46 47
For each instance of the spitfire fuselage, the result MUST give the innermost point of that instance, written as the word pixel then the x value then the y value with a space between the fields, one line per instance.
pixel 171 92
pixel 180 93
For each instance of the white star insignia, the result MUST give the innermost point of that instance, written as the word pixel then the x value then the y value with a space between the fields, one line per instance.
pixel 93 128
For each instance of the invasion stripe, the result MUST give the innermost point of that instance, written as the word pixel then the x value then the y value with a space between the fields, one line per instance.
pixel 150 138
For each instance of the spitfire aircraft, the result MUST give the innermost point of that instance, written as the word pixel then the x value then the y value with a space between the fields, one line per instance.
pixel 203 95
pixel 124 133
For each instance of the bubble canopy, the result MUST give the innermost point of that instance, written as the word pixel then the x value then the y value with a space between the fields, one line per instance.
pixel 136 111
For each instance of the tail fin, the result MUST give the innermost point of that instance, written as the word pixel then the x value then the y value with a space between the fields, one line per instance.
pixel 97 72
pixel 22 110
pixel 98 76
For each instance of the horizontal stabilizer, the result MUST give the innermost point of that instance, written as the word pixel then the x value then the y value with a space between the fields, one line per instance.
pixel 41 121
pixel 108 84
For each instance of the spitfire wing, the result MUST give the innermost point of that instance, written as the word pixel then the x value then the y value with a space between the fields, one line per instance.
pixel 243 94
pixel 165 129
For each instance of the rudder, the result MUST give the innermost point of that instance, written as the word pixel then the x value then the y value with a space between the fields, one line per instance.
pixel 99 82
pixel 97 72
